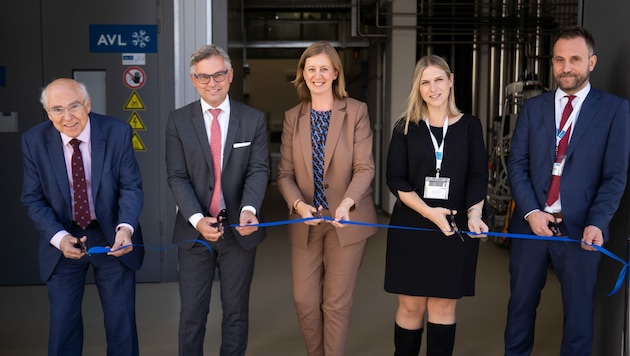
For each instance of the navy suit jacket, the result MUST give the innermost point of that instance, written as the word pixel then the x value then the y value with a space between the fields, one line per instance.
pixel 596 166
pixel 116 186
pixel 244 174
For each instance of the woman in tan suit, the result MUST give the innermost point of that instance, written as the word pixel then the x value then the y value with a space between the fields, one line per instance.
pixel 326 255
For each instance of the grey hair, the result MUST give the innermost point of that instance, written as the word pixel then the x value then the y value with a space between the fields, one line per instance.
pixel 79 86
pixel 208 51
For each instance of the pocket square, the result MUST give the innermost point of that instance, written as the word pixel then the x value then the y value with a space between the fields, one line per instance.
pixel 241 144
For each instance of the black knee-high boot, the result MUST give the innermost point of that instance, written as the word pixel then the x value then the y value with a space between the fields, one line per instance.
pixel 440 339
pixel 407 342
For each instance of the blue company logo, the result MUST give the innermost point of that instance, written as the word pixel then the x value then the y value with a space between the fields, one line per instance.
pixel 123 38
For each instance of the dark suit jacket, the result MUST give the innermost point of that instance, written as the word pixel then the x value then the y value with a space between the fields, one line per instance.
pixel 116 186
pixel 348 167
pixel 190 175
pixel 594 175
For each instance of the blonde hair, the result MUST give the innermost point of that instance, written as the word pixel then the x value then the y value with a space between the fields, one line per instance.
pixel 417 108
pixel 339 84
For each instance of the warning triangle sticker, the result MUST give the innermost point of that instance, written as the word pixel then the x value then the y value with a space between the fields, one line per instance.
pixel 138 145
pixel 134 102
pixel 136 122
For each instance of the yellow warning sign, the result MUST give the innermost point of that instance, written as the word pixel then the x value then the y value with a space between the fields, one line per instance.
pixel 136 122
pixel 134 102
pixel 138 145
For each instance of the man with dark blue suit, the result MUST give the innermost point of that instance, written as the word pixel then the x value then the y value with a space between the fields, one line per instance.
pixel 113 200
pixel 218 166
pixel 592 178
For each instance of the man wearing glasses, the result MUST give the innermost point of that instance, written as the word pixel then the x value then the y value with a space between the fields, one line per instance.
pixel 217 167
pixel 82 188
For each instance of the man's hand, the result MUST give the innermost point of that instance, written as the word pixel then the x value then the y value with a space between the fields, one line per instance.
pixel 539 223
pixel 70 248
pixel 592 236
pixel 123 238
pixel 246 219
pixel 209 228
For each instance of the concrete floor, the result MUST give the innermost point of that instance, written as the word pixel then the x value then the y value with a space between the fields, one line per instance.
pixel 273 325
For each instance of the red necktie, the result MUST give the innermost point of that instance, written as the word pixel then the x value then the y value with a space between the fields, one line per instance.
pixel 215 151
pixel 80 202
pixel 554 187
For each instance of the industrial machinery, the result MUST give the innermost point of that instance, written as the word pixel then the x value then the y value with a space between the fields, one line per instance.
pixel 499 196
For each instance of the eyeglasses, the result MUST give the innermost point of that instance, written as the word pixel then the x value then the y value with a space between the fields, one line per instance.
pixel 72 109
pixel 205 78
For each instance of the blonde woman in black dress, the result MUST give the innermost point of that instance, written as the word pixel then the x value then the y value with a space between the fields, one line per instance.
pixel 437 168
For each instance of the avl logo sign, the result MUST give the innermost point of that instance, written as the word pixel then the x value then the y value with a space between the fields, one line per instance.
pixel 123 38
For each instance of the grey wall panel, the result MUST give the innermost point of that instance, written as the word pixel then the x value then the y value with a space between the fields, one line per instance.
pixel 20 57
pixel 612 74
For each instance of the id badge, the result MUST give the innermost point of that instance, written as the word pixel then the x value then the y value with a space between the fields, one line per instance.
pixel 557 168
pixel 436 188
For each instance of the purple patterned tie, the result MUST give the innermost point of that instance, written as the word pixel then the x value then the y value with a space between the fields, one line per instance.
pixel 80 202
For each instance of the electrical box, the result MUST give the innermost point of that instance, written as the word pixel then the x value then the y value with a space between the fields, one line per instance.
pixel 9 122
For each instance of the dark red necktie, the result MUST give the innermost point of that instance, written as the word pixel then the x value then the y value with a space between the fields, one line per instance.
pixel 554 187
pixel 215 150
pixel 80 202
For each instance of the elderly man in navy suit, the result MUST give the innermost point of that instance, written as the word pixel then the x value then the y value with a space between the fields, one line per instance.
pixel 569 187
pixel 218 166
pixel 82 188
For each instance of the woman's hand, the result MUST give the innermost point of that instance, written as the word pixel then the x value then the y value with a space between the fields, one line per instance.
pixel 441 218
pixel 307 211
pixel 478 226
pixel 342 212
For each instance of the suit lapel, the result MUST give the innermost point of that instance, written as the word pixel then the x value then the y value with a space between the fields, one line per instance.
pixel 98 154
pixel 337 117
pixel 589 108
pixel 201 132
pixel 235 121
pixel 304 134
pixel 549 127
pixel 54 147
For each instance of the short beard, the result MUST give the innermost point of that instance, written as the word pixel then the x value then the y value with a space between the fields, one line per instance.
pixel 578 82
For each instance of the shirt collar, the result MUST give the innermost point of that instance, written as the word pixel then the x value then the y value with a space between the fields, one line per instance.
pixel 224 106
pixel 560 94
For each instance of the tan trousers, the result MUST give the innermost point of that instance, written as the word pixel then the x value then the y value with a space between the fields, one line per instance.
pixel 324 277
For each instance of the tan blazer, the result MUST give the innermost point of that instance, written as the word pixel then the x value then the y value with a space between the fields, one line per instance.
pixel 348 167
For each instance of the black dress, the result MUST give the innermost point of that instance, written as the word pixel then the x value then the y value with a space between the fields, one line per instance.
pixel 428 263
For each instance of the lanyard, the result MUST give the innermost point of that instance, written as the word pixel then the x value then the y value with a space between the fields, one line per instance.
pixel 567 125
pixel 439 150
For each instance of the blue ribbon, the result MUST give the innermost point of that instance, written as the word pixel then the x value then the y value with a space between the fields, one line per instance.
pixel 620 278
pixel 95 250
